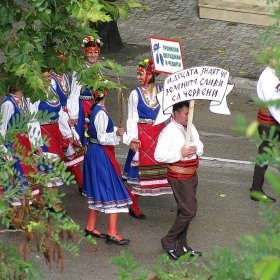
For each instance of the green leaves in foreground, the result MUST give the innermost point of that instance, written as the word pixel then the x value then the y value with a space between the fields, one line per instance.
pixel 167 270
pixel 127 267
pixel 33 32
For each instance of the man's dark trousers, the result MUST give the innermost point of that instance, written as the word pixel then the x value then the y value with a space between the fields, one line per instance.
pixel 185 196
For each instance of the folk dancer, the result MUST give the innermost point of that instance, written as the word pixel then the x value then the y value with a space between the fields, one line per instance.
pixel 55 130
pixel 73 153
pixel 83 100
pixel 103 185
pixel 142 171
pixel 14 105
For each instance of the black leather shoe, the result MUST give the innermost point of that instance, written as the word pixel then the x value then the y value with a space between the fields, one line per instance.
pixel 80 191
pixel 114 240
pixel 264 196
pixel 193 253
pixel 132 213
pixel 96 235
pixel 173 254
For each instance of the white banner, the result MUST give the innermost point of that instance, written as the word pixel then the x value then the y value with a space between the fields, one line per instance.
pixel 197 83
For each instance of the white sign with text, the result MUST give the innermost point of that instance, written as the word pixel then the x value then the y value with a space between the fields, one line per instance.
pixel 197 83
pixel 167 55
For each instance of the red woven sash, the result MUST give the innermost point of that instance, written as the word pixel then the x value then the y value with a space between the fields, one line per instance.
pixel 183 169
pixel 264 116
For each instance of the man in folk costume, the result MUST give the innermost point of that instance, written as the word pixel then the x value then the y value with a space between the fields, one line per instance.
pixel 268 88
pixel 142 171
pixel 181 175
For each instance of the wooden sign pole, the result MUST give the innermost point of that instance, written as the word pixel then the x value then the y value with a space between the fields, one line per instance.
pixel 120 99
pixel 121 102
pixel 189 126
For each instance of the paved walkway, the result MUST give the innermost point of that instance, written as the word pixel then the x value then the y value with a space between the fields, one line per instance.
pixel 201 39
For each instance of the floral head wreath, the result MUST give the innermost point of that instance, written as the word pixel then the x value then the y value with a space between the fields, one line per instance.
pixel 91 44
pixel 13 88
pixel 146 66
pixel 101 92
pixel 60 54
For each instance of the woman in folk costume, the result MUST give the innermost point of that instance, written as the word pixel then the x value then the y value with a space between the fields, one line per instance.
pixel 146 175
pixel 103 185
pixel 84 99
pixel 73 153
pixel 13 106
pixel 56 129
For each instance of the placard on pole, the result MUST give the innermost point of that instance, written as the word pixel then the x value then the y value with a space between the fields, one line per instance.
pixel 167 55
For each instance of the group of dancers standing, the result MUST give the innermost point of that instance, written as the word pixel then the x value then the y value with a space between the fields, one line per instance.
pixel 90 156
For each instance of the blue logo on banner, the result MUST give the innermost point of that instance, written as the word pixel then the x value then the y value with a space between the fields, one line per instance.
pixel 159 57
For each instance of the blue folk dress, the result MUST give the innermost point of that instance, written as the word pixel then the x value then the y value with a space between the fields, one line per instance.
pixel 102 182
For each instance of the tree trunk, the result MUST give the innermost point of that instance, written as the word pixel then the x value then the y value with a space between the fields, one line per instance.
pixel 110 36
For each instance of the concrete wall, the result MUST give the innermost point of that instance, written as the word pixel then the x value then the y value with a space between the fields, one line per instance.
pixel 243 11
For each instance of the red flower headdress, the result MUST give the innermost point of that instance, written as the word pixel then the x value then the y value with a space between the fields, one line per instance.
pixel 146 66
pixel 91 44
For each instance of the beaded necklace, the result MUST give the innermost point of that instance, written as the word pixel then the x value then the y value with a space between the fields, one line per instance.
pixel 150 97
pixel 63 83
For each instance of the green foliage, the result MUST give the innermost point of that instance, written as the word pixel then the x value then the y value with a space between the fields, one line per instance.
pixel 167 269
pixel 117 9
pixel 51 231
pixel 34 31
pixel 85 75
pixel 13 267
pixel 127 267
pixel 170 270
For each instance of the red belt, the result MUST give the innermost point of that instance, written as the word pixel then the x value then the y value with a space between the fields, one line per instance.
pixel 183 169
